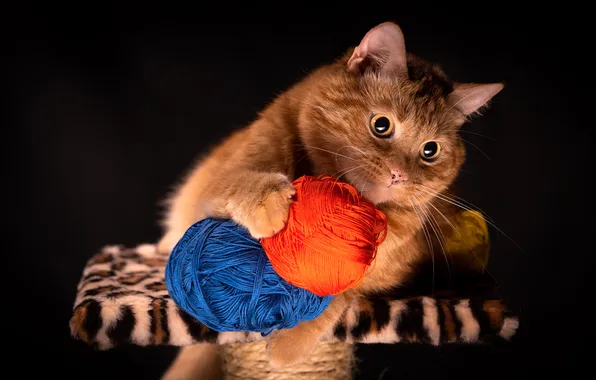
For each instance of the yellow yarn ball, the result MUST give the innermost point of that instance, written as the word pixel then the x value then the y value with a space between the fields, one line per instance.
pixel 470 245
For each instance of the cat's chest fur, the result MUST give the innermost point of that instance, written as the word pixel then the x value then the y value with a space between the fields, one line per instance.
pixel 396 256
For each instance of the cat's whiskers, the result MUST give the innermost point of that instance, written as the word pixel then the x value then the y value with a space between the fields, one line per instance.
pixel 368 174
pixel 363 184
pixel 436 229
pixel 343 172
pixel 468 203
pixel 356 149
pixel 477 134
pixel 371 161
pixel 457 201
pixel 439 231
pixel 427 237
pixel 302 157
pixel 454 202
pixel 374 166
pixel 348 146
pixel 301 146
pixel 357 180
pixel 460 235
pixel 480 150
pixel 445 218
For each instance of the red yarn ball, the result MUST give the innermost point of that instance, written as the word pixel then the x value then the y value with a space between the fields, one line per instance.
pixel 330 239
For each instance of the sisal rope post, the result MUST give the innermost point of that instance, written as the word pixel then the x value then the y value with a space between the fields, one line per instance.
pixel 250 361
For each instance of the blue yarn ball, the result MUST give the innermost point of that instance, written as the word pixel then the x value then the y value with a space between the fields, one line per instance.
pixel 219 274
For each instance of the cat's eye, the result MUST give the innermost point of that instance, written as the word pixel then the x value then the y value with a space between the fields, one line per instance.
pixel 430 150
pixel 381 126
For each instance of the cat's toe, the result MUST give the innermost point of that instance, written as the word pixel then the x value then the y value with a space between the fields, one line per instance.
pixel 270 217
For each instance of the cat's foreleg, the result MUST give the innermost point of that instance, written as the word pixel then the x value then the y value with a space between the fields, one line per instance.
pixel 259 201
pixel 292 346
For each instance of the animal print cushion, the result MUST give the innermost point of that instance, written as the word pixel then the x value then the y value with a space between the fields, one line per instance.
pixel 122 299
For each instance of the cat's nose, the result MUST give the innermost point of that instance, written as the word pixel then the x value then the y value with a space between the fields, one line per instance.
pixel 397 176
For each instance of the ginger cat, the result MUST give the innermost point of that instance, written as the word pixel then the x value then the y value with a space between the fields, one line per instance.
pixel 379 118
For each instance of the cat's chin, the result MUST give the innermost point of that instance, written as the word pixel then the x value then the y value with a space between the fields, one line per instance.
pixel 379 195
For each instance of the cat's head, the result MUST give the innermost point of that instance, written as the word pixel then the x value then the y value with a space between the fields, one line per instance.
pixel 388 122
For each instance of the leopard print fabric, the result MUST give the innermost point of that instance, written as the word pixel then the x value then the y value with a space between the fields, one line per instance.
pixel 122 299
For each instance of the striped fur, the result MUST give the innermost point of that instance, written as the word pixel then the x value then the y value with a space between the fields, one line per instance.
pixel 122 299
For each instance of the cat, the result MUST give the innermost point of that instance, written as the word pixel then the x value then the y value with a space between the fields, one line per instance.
pixel 378 117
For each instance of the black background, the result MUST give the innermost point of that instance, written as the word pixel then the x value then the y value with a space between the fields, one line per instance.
pixel 109 105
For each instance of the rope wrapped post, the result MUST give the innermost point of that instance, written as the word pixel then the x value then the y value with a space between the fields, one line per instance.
pixel 249 361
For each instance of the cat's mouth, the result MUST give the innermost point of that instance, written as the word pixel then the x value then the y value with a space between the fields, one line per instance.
pixel 375 192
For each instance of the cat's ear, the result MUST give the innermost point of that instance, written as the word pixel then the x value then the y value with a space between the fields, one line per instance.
pixel 384 48
pixel 471 97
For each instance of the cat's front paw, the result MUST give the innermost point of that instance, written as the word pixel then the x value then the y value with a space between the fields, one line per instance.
pixel 291 347
pixel 268 214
